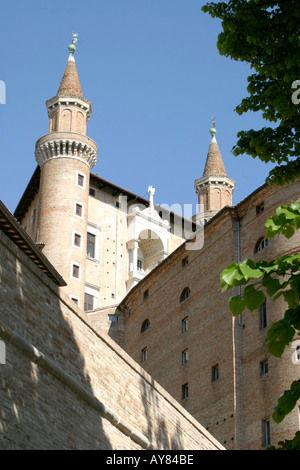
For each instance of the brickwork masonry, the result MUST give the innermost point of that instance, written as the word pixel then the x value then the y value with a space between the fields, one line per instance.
pixel 60 375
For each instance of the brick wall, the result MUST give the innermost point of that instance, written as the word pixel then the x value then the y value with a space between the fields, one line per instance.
pixel 65 387
pixel 233 406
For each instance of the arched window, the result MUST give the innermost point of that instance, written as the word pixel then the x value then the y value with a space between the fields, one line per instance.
pixel 145 325
pixel 185 294
pixel 261 244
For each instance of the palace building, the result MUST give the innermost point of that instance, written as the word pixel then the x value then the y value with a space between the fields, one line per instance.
pixel 116 300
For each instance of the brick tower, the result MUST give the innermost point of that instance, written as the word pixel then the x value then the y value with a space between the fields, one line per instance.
pixel 66 156
pixel 214 188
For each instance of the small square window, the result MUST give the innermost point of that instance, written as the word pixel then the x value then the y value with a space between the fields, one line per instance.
pixel 185 391
pixel 215 373
pixel 260 208
pixel 78 209
pixel 92 192
pixel 144 354
pixel 185 261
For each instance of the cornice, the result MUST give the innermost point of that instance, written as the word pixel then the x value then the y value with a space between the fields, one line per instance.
pixel 66 145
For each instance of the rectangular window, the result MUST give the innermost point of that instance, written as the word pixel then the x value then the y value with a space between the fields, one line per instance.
pixel 260 208
pixel 184 262
pixel 75 271
pixel 185 391
pixel 118 204
pixel 266 432
pixel 92 192
pixel 139 265
pixel 184 324
pixel 80 180
pixel 88 302
pixel 264 367
pixel 146 294
pixel 184 356
pixel 263 316
pixel 77 239
pixel 78 209
pixel 113 318
pixel 90 245
pixel 144 354
pixel 215 373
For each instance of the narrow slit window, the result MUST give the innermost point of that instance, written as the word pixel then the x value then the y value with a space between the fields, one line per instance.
pixel 215 373
pixel 185 391
pixel 185 356
pixel 263 320
pixel 184 325
pixel 266 432
pixel 144 354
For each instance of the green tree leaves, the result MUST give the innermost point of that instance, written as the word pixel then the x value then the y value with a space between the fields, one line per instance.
pixel 287 402
pixel 266 34
pixel 286 221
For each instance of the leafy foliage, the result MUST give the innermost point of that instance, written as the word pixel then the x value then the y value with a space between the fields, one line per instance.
pixel 289 444
pixel 265 34
pixel 277 278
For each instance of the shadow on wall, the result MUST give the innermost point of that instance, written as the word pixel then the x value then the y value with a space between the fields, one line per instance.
pixel 37 411
pixel 157 431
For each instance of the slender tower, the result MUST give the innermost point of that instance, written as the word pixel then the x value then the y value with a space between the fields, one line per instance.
pixel 66 156
pixel 214 188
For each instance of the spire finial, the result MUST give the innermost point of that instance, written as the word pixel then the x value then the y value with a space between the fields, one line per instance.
pixel 72 47
pixel 213 130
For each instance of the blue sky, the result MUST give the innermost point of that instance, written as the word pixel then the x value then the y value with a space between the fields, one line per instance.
pixel 155 78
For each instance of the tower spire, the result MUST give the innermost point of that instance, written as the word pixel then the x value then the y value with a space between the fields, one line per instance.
pixel 214 164
pixel 214 188
pixel 70 83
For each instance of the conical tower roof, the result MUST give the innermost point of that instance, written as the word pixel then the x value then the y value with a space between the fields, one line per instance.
pixel 70 84
pixel 214 165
